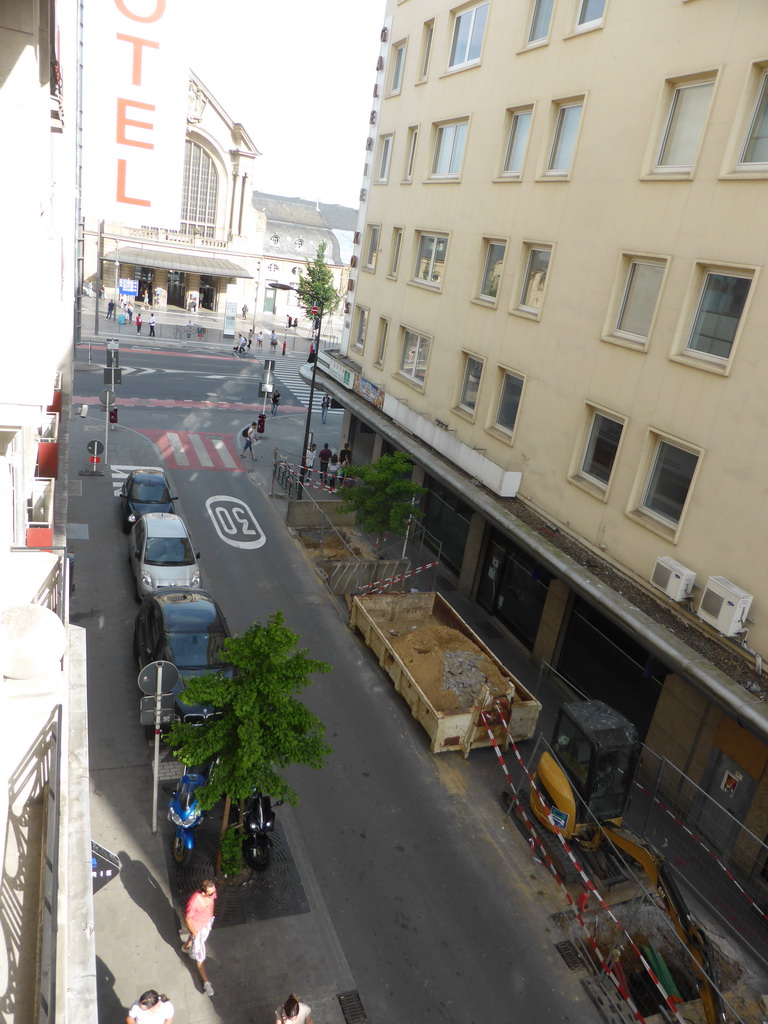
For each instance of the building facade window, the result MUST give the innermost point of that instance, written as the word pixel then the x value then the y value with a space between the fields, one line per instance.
pixel 414 355
pixel 372 246
pixel 426 48
pixel 755 150
pixel 470 385
pixel 381 346
pixel 590 14
pixel 540 20
pixel 430 259
pixel 535 280
pixel 397 243
pixel 564 138
pixel 718 315
pixel 385 157
pixel 639 300
pixel 601 448
pixel 467 41
pixel 669 482
pixel 494 261
pixel 398 66
pixel 361 328
pixel 509 402
pixel 684 126
pixel 199 193
pixel 517 142
pixel 449 149
pixel 410 153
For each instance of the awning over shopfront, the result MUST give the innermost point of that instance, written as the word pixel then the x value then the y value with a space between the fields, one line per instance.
pixel 193 263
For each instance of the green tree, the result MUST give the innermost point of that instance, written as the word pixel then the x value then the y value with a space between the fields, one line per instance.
pixel 383 496
pixel 316 287
pixel 263 727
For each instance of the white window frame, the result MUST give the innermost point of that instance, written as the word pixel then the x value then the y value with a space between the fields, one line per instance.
pixel 590 443
pixel 497 425
pixel 410 153
pixel 513 136
pixel 381 343
pixel 629 283
pixel 446 135
pixel 428 39
pixel 759 114
pixel 372 246
pixel 489 245
pixel 421 343
pixel 661 445
pixel 470 407
pixel 676 93
pixel 582 25
pixel 563 110
pixel 707 275
pixel 536 9
pixel 362 315
pixel 398 68
pixel 429 282
pixel 397 249
pixel 385 158
pixel 466 61
pixel 531 249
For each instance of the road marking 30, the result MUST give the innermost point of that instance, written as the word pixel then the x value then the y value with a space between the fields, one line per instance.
pixel 234 522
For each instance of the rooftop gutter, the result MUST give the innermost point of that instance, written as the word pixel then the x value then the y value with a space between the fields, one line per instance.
pixel 751 713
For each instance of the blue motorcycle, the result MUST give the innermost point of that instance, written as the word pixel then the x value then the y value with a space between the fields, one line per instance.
pixel 185 813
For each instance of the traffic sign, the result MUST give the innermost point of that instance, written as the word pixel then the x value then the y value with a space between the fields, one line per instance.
pixel 315 311
pixel 147 709
pixel 95 447
pixel 105 866
pixel 107 397
pixel 167 673
pixel 113 375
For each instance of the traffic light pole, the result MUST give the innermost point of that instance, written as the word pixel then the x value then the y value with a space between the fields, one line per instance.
pixel 317 313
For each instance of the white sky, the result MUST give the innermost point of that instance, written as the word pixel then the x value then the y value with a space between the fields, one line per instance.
pixel 299 76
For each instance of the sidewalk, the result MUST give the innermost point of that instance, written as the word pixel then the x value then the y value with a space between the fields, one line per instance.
pixel 252 966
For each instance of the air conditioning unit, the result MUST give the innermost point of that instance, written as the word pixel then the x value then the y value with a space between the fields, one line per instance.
pixel 673 578
pixel 724 605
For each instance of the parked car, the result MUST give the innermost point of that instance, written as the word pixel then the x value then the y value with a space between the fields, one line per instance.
pixel 161 554
pixel 144 490
pixel 187 628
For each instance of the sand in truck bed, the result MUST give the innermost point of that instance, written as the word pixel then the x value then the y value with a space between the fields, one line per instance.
pixel 447 666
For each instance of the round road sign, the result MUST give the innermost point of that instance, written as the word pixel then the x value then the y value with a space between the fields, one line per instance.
pixel 107 397
pixel 148 677
pixel 95 447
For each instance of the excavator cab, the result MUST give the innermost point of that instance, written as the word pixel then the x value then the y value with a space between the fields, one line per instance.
pixel 596 750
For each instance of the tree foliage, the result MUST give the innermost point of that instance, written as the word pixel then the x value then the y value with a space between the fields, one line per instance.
pixel 316 287
pixel 263 727
pixel 383 494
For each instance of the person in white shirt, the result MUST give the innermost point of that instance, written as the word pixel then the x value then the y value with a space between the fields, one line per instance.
pixel 151 1008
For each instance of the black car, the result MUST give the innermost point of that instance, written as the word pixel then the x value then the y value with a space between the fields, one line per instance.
pixel 187 628
pixel 144 490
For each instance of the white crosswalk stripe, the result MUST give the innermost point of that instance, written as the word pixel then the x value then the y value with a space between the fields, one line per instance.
pixel 287 374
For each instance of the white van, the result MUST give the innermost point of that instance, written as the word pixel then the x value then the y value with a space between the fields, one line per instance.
pixel 161 554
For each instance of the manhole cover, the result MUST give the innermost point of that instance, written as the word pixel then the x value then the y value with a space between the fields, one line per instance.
pixel 352 1008
pixel 568 952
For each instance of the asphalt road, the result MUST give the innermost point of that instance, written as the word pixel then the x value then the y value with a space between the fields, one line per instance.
pixel 431 897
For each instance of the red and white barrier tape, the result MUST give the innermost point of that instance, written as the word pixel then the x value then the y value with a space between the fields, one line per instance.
pixel 382 584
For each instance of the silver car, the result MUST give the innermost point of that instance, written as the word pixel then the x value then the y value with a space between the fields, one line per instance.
pixel 161 554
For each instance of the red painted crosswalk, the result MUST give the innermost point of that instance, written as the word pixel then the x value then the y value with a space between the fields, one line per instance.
pixel 182 449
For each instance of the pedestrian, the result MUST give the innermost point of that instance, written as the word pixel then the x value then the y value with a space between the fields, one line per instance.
pixel 241 347
pixel 199 918
pixel 345 455
pixel 101 292
pixel 275 401
pixel 129 311
pixel 324 407
pixel 290 323
pixel 260 339
pixel 273 340
pixel 111 309
pixel 294 1011
pixel 250 338
pixel 152 322
pixel 249 433
pixel 158 295
pixel 151 1008
pixel 245 311
pixel 324 455
pixel 138 323
pixel 295 321
pixel 309 461
pixel 333 471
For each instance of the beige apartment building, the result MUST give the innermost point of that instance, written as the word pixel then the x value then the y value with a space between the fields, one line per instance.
pixel 560 310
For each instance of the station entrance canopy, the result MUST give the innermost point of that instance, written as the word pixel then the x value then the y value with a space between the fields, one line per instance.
pixel 185 261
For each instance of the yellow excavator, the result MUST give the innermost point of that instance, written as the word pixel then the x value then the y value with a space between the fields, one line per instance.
pixel 595 755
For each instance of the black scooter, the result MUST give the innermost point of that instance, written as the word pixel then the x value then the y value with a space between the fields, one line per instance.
pixel 258 826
